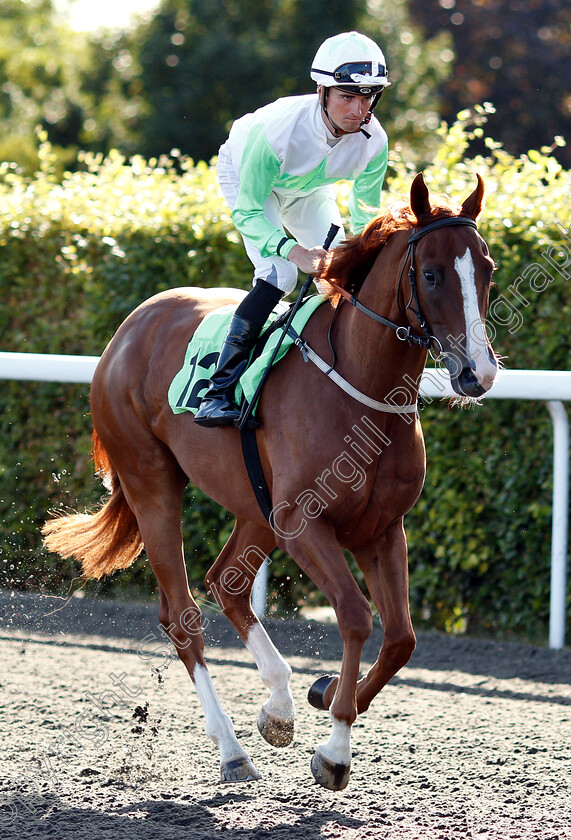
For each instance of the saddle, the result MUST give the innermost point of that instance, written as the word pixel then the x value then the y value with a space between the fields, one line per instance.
pixel 191 382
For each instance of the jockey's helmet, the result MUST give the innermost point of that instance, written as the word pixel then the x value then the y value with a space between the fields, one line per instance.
pixel 351 62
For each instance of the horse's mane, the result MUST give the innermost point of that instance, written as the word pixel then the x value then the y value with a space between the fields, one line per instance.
pixel 350 263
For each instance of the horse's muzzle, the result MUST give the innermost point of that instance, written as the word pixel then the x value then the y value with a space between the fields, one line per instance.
pixel 467 385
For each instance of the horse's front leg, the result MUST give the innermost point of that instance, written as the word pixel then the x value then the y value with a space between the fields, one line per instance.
pixel 385 567
pixel 386 573
pixel 315 549
pixel 230 581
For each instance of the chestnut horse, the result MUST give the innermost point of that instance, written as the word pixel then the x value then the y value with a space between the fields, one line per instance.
pixel 342 472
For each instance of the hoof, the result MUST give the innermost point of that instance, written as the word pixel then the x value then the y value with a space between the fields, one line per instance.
pixel 316 694
pixel 329 774
pixel 276 731
pixel 238 769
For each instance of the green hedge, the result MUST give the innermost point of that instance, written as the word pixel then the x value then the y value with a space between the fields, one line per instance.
pixel 78 255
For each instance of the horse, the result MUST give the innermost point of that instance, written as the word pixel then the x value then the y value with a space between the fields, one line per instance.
pixel 343 464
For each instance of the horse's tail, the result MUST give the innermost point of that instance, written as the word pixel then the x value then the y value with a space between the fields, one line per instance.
pixel 103 541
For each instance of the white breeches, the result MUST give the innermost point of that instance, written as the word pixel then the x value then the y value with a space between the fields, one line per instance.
pixel 306 216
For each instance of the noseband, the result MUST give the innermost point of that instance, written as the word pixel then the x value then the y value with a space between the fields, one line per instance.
pixel 406 333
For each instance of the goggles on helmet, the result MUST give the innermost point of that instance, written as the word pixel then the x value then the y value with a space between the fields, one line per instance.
pixel 371 76
pixel 360 72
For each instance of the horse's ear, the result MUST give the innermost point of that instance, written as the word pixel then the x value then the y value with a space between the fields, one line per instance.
pixel 419 201
pixel 473 203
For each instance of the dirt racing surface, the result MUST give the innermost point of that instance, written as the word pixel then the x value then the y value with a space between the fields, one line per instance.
pixel 103 736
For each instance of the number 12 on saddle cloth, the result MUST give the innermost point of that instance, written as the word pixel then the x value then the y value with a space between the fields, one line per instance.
pixel 190 383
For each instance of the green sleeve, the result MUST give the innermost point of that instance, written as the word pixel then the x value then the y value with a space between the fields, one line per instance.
pixel 259 172
pixel 367 191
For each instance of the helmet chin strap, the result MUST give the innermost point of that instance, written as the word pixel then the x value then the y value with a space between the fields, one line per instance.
pixel 337 131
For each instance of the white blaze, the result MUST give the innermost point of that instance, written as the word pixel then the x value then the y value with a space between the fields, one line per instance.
pixel 477 349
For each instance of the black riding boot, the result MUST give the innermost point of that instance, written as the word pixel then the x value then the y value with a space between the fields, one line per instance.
pixel 217 407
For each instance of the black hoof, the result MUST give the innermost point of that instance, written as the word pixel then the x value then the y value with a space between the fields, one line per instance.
pixel 316 694
pixel 238 769
pixel 329 774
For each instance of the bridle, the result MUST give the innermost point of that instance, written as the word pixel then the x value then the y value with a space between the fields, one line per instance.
pixel 427 340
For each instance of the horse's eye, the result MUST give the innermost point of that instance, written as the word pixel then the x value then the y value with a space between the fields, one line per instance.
pixel 430 276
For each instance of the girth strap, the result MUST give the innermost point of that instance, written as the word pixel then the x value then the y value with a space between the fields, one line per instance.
pixel 255 471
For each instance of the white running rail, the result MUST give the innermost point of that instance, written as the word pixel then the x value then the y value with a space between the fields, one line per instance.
pixel 551 387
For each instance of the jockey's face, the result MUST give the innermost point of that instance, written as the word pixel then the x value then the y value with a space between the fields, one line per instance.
pixel 347 110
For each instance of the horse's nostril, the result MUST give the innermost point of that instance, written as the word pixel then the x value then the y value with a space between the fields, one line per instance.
pixel 467 385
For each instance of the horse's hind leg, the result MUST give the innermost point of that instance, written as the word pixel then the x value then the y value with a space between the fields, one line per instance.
pixel 230 581
pixel 153 484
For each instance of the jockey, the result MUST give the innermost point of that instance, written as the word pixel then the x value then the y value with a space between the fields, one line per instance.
pixel 276 171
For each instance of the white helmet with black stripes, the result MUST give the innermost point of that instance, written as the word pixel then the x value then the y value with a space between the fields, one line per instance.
pixel 352 62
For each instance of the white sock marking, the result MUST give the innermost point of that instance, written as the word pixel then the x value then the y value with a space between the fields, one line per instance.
pixel 338 747
pixel 274 671
pixel 219 727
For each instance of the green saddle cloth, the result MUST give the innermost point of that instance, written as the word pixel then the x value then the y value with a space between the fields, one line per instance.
pixel 191 382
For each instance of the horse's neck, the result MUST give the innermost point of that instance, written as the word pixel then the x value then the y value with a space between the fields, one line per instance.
pixel 370 355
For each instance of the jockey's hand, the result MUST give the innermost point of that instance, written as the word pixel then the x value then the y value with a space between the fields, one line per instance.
pixel 307 260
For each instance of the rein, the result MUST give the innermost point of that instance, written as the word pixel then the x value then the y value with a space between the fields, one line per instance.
pixel 406 333
pixel 310 355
